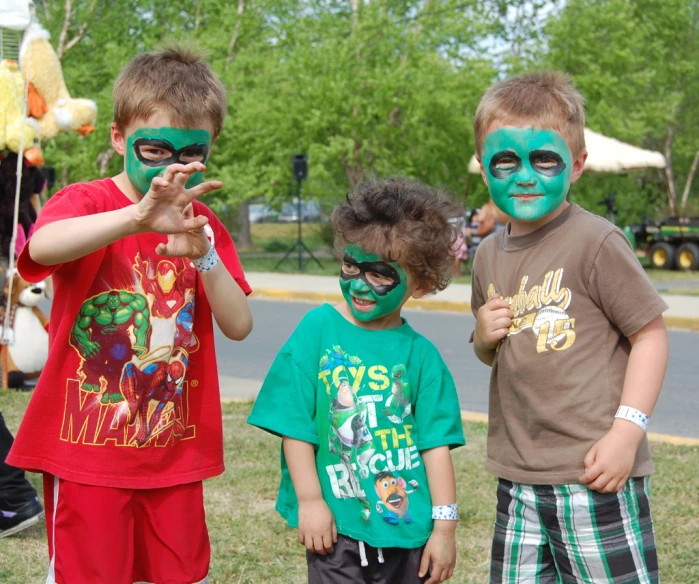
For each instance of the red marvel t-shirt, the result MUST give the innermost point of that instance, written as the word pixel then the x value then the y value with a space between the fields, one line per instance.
pixel 129 397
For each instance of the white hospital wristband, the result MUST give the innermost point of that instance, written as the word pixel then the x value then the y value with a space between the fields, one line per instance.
pixel 207 261
pixel 445 512
pixel 633 415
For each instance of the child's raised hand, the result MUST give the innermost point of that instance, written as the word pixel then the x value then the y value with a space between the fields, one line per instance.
pixel 162 208
pixel 609 462
pixel 190 244
pixel 439 555
pixel 317 529
pixel 492 323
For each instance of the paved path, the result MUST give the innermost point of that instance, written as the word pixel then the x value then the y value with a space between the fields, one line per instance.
pixel 243 365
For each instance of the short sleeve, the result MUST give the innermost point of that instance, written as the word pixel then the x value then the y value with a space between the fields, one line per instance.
pixel 437 414
pixel 72 201
pixel 286 404
pixel 620 287
pixel 226 250
pixel 477 299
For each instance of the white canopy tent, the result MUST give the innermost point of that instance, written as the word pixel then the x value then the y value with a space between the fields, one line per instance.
pixel 608 155
pixel 15 14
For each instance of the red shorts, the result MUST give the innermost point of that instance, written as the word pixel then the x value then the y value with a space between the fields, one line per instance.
pixel 101 535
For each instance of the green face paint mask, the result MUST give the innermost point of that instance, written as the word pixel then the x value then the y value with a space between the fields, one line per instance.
pixel 372 287
pixel 526 161
pixel 150 150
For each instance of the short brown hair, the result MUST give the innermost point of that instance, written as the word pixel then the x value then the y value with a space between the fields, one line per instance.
pixel 402 221
pixel 546 98
pixel 176 80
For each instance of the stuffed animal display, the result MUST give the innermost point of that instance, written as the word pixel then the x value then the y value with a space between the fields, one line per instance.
pixel 12 122
pixel 51 109
pixel 59 112
pixel 25 344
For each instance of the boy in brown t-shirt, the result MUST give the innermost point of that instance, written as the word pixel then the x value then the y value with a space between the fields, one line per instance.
pixel 573 330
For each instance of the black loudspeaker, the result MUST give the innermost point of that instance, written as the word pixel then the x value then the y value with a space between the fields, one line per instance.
pixel 49 173
pixel 300 166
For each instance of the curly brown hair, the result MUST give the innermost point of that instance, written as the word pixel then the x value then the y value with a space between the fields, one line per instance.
pixel 402 221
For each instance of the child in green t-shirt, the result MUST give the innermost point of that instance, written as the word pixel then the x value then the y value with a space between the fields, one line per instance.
pixel 366 407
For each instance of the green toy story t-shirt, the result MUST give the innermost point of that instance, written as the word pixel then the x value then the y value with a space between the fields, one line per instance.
pixel 370 402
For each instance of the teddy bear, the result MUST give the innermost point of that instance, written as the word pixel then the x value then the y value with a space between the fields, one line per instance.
pixel 25 343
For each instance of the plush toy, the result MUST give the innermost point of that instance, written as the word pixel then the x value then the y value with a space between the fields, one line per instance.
pixel 25 345
pixel 59 112
pixel 12 122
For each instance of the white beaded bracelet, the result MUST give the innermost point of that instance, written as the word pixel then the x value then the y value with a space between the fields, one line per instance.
pixel 445 512
pixel 207 261
pixel 633 415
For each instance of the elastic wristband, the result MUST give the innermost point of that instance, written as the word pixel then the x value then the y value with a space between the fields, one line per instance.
pixel 207 261
pixel 445 512
pixel 633 415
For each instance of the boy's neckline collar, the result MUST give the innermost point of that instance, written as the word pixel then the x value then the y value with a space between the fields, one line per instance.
pixel 122 195
pixel 404 329
pixel 513 243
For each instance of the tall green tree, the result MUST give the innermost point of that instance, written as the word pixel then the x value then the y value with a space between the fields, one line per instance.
pixel 635 61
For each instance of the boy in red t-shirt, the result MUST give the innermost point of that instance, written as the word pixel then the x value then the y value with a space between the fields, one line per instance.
pixel 125 422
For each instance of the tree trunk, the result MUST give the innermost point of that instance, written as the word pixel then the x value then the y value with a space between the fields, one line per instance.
pixel 690 179
pixel 244 239
pixel 354 6
pixel 669 177
pixel 64 45
pixel 236 33
pixel 354 170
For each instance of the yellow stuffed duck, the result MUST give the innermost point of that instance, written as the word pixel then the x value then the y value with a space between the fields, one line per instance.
pixel 12 122
pixel 59 112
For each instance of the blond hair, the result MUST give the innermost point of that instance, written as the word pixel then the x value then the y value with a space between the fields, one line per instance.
pixel 544 98
pixel 175 80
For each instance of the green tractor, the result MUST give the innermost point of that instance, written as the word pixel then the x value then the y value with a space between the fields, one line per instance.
pixel 671 244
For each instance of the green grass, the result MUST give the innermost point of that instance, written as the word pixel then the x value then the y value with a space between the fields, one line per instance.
pixel 680 291
pixel 278 237
pixel 254 263
pixel 251 544
pixel 672 276
pixel 667 275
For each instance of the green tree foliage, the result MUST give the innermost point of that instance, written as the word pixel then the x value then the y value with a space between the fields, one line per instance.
pixel 635 61
pixel 378 87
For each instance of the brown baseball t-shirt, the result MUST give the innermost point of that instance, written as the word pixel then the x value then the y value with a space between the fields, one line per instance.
pixel 577 292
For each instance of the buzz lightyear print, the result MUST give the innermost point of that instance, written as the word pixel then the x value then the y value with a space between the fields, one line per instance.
pixel 398 404
pixel 369 430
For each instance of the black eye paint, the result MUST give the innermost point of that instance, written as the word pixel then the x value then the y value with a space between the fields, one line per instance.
pixel 555 170
pixel 191 150
pixel 499 172
pixel 381 268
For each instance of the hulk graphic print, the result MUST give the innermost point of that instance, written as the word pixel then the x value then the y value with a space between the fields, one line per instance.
pixel 370 402
pixel 101 337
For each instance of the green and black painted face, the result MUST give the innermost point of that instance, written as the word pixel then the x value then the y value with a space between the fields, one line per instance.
pixel 372 287
pixel 150 150
pixel 528 171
